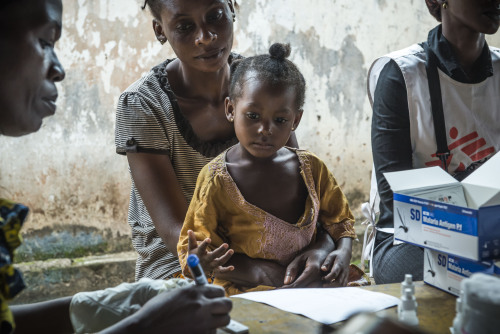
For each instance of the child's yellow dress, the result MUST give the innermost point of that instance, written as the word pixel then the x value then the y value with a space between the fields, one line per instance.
pixel 219 211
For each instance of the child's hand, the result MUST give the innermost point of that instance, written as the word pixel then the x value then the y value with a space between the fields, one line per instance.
pixel 211 262
pixel 336 264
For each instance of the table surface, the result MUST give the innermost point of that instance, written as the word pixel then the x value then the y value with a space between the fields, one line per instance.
pixel 436 310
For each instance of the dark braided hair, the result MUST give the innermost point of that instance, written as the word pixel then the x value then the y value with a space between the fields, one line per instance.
pixel 273 68
pixel 434 8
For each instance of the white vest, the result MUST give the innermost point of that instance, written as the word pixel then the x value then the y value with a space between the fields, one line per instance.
pixel 471 111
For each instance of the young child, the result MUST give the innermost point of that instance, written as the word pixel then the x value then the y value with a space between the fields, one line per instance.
pixel 261 198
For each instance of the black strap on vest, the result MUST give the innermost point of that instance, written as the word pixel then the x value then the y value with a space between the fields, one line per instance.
pixel 437 107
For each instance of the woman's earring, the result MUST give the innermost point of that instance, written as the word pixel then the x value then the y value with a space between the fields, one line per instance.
pixel 162 39
pixel 293 128
pixel 231 119
pixel 445 5
pixel 234 17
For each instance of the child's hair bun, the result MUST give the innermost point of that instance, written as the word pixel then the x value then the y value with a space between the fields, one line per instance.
pixel 279 51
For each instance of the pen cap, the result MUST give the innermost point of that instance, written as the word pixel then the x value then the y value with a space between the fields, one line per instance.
pixel 193 260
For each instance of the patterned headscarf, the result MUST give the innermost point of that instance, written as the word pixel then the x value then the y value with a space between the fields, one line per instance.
pixel 434 8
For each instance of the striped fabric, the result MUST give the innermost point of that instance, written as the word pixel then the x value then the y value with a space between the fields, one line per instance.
pixel 148 120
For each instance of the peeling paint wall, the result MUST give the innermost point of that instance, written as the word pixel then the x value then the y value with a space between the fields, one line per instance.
pixel 68 172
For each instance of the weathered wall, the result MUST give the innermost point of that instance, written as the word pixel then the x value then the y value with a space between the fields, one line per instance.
pixel 75 184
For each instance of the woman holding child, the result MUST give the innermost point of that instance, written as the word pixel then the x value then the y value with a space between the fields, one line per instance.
pixel 456 70
pixel 170 124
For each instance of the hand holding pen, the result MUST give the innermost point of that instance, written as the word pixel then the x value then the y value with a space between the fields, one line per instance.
pixel 199 277
pixel 194 309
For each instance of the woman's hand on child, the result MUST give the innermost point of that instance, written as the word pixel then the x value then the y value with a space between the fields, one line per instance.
pixel 212 262
pixel 307 264
pixel 336 264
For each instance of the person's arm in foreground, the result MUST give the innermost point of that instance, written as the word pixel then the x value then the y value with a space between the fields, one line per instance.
pixel 196 309
pixel 45 317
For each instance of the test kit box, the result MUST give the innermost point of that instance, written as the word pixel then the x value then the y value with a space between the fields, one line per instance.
pixel 445 271
pixel 433 210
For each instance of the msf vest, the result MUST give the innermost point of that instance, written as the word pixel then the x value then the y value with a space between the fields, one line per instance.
pixel 471 111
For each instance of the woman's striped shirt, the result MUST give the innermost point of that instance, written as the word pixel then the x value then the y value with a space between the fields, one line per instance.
pixel 148 119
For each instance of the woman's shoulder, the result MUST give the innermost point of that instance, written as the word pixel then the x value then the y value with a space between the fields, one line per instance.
pixel 152 84
pixel 147 95
pixel 408 57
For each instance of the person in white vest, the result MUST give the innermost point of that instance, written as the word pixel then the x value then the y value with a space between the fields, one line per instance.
pixel 464 87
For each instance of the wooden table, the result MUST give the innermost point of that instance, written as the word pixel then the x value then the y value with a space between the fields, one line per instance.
pixel 436 310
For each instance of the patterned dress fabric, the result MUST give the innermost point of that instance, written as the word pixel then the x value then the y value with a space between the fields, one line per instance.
pixel 12 217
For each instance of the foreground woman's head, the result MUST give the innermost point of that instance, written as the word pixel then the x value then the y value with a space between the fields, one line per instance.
pixel 29 67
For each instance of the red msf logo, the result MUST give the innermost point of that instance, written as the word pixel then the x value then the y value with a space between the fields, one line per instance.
pixel 470 144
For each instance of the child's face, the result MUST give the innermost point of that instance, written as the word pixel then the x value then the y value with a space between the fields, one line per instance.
pixel 29 66
pixel 263 116
pixel 199 31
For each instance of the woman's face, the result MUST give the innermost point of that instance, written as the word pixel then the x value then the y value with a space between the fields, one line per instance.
pixel 480 16
pixel 29 66
pixel 199 31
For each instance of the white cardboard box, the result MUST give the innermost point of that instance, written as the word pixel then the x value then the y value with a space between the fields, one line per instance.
pixel 446 271
pixel 433 210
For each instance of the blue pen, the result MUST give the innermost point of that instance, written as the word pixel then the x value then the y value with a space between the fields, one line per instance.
pixel 193 263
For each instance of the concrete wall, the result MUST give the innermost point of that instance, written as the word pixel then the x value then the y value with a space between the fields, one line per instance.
pixel 68 172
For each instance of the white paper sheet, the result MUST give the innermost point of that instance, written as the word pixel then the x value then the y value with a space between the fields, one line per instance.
pixel 323 305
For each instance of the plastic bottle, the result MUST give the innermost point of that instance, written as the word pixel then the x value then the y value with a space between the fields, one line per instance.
pixel 406 284
pixel 407 309
pixel 457 321
pixel 480 305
